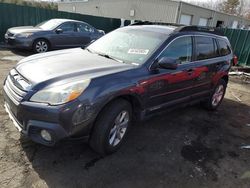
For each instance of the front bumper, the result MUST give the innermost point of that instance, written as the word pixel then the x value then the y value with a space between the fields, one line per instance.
pixel 33 129
pixel 31 118
pixel 19 42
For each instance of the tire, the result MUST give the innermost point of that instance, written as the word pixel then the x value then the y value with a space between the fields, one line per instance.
pixel 40 46
pixel 108 135
pixel 216 97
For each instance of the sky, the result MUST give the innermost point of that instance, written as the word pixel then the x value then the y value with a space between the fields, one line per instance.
pixel 199 0
pixel 246 2
pixel 202 1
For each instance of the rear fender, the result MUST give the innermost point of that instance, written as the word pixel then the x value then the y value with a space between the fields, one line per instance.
pixel 223 72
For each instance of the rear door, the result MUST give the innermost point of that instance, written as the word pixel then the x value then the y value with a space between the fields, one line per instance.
pixel 84 33
pixel 169 87
pixel 207 63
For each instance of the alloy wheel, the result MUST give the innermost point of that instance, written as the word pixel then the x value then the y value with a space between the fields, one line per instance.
pixel 218 95
pixel 41 46
pixel 119 129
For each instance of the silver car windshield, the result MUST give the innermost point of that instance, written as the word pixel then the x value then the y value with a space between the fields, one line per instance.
pixel 49 25
pixel 129 44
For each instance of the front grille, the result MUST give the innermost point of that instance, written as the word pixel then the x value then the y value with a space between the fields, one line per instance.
pixel 14 87
pixel 9 34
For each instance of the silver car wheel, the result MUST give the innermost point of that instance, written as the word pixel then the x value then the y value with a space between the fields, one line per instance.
pixel 119 129
pixel 218 95
pixel 41 46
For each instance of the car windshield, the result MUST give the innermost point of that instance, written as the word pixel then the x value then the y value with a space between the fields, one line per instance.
pixel 130 44
pixel 49 24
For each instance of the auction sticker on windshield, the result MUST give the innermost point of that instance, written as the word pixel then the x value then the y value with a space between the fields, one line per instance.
pixel 138 51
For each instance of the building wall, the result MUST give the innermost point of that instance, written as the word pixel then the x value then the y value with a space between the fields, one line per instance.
pixel 229 19
pixel 196 12
pixel 212 16
pixel 150 10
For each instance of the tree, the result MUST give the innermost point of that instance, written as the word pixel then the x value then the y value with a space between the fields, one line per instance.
pixel 211 4
pixel 230 6
pixel 247 16
pixel 34 3
pixel 235 7
pixel 244 9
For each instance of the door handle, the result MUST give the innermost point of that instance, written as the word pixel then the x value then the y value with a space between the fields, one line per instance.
pixel 190 71
pixel 217 65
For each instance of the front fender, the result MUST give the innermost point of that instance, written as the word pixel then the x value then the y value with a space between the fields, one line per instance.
pixel 114 89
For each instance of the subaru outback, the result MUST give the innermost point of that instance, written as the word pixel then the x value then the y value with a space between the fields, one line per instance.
pixel 130 74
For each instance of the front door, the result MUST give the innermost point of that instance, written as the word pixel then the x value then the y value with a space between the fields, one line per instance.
pixel 66 37
pixel 169 87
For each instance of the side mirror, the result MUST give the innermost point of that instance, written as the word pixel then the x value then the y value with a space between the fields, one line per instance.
pixel 92 41
pixel 58 31
pixel 86 45
pixel 168 63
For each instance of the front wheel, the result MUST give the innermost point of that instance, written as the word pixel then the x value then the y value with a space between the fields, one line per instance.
pixel 111 127
pixel 40 46
pixel 217 96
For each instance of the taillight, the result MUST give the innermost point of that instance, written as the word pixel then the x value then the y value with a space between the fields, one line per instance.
pixel 235 60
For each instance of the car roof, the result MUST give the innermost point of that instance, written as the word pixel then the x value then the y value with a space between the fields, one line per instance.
pixel 61 20
pixel 155 28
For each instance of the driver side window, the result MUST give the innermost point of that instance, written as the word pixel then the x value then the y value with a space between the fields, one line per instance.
pixel 180 49
pixel 68 27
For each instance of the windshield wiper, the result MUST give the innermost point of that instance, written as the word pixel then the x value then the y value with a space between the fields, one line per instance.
pixel 104 55
pixel 109 57
pixel 88 50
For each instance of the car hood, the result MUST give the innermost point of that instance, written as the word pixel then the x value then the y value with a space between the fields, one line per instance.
pixel 63 64
pixel 24 29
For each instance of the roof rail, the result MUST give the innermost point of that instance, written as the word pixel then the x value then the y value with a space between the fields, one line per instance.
pixel 183 28
pixel 156 23
pixel 199 29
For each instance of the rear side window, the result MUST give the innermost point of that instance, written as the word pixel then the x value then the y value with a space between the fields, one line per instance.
pixel 205 48
pixel 224 49
pixel 180 49
pixel 84 28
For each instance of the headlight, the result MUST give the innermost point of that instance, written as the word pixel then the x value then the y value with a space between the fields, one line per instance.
pixel 26 35
pixel 60 94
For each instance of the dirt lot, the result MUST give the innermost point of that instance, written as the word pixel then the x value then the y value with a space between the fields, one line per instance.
pixel 189 147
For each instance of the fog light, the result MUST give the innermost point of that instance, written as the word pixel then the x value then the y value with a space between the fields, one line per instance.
pixel 46 135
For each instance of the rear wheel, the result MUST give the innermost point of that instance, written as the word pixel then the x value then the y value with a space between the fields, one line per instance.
pixel 40 46
pixel 111 127
pixel 217 96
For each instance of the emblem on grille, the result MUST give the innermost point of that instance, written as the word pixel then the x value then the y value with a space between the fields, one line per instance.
pixel 20 82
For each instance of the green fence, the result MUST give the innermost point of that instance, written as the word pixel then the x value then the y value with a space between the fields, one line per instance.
pixel 16 15
pixel 240 41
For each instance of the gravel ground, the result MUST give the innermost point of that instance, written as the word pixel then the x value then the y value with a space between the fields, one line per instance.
pixel 186 148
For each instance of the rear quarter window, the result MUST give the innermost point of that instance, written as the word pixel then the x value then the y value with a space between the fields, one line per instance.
pixel 205 48
pixel 224 48
pixel 84 28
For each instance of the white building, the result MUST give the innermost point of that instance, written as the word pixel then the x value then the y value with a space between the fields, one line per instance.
pixel 154 10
